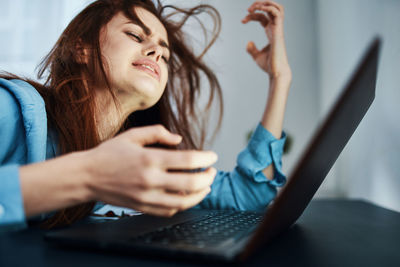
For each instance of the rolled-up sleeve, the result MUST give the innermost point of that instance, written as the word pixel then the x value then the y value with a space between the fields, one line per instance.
pixel 246 187
pixel 262 150
pixel 13 154
pixel 12 214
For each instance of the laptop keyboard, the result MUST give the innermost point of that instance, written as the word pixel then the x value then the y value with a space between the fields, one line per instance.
pixel 211 230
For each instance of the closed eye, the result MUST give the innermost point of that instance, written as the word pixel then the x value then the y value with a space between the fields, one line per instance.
pixel 137 37
pixel 139 40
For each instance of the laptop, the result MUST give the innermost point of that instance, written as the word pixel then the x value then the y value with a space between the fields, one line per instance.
pixel 235 235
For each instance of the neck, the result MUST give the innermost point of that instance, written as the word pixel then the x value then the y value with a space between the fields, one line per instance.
pixel 111 113
pixel 108 118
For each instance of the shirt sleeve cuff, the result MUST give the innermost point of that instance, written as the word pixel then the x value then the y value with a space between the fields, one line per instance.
pixel 12 214
pixel 262 150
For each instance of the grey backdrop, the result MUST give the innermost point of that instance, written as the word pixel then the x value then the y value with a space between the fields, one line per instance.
pixel 325 40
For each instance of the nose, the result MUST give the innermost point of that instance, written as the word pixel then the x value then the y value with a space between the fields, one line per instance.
pixel 154 51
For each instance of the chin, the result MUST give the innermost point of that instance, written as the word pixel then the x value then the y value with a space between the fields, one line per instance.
pixel 147 86
pixel 149 97
pixel 148 103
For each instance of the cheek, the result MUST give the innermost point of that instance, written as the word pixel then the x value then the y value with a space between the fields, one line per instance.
pixel 165 77
pixel 115 52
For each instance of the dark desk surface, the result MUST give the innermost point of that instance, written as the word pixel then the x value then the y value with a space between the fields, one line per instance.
pixel 330 233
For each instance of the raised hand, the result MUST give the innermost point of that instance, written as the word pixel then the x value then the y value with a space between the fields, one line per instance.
pixel 272 58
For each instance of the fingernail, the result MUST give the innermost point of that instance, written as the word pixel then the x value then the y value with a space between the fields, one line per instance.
pixel 178 137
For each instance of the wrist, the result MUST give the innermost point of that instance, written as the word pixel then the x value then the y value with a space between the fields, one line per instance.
pixel 281 83
pixel 284 77
pixel 55 184
pixel 84 175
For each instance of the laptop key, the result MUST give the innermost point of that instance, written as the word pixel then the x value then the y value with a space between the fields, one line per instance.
pixel 207 231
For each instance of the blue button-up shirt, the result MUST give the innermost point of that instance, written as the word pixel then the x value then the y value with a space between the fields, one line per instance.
pixel 24 139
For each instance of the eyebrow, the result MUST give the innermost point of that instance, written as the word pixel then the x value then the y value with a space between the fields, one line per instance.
pixel 148 32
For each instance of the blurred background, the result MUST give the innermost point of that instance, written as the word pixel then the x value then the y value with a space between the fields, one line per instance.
pixel 325 40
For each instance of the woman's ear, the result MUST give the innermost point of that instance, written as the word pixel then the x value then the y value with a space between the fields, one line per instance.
pixel 82 54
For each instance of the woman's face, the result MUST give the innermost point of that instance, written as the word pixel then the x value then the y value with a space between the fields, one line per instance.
pixel 136 59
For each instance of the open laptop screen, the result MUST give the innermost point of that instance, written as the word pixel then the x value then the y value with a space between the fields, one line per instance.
pixel 324 148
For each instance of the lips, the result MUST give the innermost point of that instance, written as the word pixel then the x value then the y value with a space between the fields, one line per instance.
pixel 149 67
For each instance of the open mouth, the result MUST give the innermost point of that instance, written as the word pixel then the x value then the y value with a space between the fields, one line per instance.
pixel 148 67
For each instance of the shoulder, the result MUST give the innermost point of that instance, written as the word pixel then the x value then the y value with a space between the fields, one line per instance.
pixel 17 96
pixel 9 107
pixel 11 121
pixel 19 100
pixel 23 117
pixel 21 91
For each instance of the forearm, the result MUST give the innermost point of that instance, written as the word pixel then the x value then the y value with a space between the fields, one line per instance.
pixel 274 112
pixel 54 184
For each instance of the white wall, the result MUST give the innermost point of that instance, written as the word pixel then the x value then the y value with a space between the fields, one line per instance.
pixel 29 29
pixel 369 167
pixel 32 29
pixel 245 86
pixel 325 40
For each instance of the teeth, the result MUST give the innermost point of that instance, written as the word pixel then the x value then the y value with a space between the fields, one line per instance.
pixel 148 67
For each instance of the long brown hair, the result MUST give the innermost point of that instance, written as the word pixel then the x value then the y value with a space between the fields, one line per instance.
pixel 70 105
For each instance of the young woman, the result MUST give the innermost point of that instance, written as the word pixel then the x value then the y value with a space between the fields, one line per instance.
pixel 122 86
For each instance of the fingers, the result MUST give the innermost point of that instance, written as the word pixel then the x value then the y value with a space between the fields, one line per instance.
pixel 151 135
pixel 172 201
pixel 265 3
pixel 153 210
pixel 166 194
pixel 273 11
pixel 166 158
pixel 256 17
pixel 184 160
pixel 252 49
pixel 184 182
